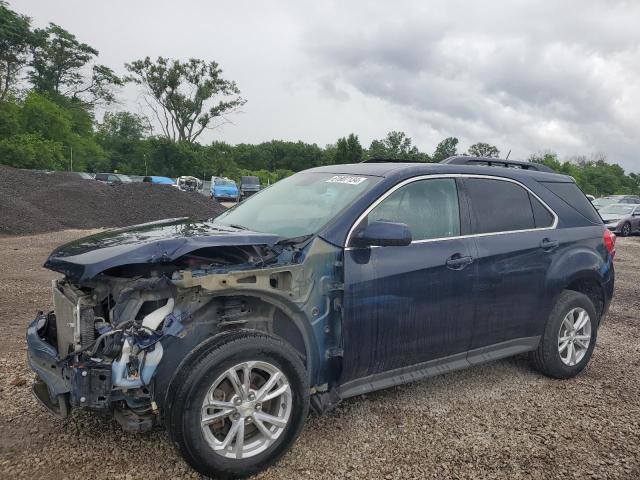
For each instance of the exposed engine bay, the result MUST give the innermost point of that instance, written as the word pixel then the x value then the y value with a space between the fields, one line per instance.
pixel 114 342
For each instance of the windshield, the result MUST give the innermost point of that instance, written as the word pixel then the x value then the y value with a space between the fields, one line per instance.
pixel 298 205
pixel 251 180
pixel 618 209
pixel 226 183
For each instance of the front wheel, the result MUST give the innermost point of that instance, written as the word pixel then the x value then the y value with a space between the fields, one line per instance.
pixel 569 337
pixel 241 406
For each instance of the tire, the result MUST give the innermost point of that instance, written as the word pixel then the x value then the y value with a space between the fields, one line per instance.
pixel 548 357
pixel 625 230
pixel 203 371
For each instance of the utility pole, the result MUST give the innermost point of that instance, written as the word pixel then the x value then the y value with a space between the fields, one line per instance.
pixel 70 158
pixel 145 164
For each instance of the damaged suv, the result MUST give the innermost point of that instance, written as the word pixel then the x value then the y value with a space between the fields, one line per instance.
pixel 331 283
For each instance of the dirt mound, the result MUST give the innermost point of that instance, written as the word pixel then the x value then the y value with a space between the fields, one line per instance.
pixel 38 202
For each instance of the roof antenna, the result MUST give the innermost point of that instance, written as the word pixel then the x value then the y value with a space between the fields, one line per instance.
pixel 507 157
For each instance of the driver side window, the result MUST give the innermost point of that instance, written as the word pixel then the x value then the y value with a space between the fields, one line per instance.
pixel 429 207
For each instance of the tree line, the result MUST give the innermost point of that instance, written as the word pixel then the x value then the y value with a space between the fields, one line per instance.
pixel 51 86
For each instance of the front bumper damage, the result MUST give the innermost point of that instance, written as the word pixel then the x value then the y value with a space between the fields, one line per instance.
pixel 77 370
pixel 119 331
pixel 51 388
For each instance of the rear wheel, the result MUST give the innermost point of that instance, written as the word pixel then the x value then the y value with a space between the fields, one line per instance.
pixel 569 337
pixel 241 406
pixel 625 231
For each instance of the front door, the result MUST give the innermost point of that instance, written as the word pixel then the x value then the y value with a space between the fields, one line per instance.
pixel 410 304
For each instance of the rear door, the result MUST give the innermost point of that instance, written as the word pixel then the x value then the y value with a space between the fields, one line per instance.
pixel 515 240
pixel 410 304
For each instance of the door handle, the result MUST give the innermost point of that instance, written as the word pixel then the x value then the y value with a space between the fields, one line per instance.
pixel 458 262
pixel 548 245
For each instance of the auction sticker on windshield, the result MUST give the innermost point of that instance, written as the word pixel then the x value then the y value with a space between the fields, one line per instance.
pixel 348 179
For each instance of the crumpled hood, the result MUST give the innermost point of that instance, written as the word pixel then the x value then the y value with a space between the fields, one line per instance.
pixel 153 242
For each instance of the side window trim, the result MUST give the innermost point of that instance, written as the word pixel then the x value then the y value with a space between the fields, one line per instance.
pixel 463 207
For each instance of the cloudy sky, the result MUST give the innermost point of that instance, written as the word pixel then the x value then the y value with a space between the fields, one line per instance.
pixel 523 75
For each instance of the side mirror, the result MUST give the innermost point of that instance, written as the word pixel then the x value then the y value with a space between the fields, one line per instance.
pixel 383 234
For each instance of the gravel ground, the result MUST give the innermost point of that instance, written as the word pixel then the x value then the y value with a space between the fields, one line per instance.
pixel 499 420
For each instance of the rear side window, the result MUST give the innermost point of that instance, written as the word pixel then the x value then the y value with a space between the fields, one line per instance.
pixel 499 206
pixel 573 196
pixel 542 216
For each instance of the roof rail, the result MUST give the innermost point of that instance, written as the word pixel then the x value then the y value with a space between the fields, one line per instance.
pixel 389 160
pixel 496 162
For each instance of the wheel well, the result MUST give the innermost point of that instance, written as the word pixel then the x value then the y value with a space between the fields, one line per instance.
pixel 592 289
pixel 255 313
pixel 228 314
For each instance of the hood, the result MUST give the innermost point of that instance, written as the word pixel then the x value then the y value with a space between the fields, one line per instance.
pixel 609 217
pixel 154 242
pixel 225 188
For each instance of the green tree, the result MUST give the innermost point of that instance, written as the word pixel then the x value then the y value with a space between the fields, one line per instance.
pixel 58 64
pixel 396 146
pixel 181 94
pixel 593 175
pixel 30 150
pixel 10 119
pixel 121 136
pixel 71 128
pixel 42 116
pixel 445 149
pixel 485 150
pixel 348 150
pixel 550 159
pixel 15 38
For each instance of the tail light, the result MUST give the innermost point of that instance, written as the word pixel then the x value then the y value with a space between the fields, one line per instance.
pixel 610 241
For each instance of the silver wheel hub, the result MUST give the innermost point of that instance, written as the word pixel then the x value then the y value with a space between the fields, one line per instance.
pixel 246 409
pixel 574 336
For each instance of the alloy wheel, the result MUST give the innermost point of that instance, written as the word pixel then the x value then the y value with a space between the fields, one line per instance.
pixel 246 409
pixel 574 336
pixel 626 230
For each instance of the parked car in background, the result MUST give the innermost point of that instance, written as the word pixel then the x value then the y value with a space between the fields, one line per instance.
pixel 112 178
pixel 189 184
pixel 249 184
pixel 224 189
pixel 590 197
pixel 84 175
pixel 332 283
pixel 623 219
pixel 158 180
pixel 613 199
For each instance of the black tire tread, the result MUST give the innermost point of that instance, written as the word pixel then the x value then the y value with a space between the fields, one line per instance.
pixel 544 358
pixel 191 367
pixel 626 224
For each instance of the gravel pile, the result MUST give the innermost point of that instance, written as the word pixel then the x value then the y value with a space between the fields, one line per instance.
pixel 37 202
pixel 501 420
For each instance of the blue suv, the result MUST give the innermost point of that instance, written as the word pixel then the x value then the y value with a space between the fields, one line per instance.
pixel 332 283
